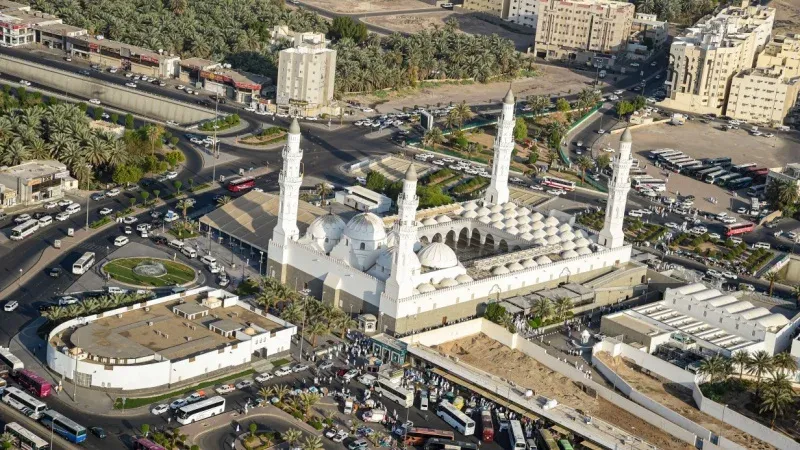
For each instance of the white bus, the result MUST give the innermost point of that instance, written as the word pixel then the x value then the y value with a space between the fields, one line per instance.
pixel 655 184
pixel 515 435
pixel 20 400
pixel 656 153
pixel 24 230
pixel 395 392
pixel 455 418
pixel 201 410
pixel 11 359
pixel 25 438
pixel 83 264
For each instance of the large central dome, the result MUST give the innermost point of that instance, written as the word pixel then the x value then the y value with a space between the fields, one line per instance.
pixel 327 226
pixel 437 256
pixel 365 227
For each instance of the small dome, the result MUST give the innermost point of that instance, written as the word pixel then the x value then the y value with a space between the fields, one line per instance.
pixel 484 219
pixel 328 226
pixel 509 214
pixel 513 230
pixel 471 205
pixel 365 227
pixel 551 231
pixel 459 209
pixel 483 211
pixel 441 218
pixel 448 282
pixel 537 216
pixel 500 270
pixel 469 214
pixel 496 216
pixel 543 260
pixel 568 245
pixel 437 255
pixel 583 251
pixel 529 264
pixel 497 208
pixel 537 225
pixel 429 221
pixel 515 267
pixel 415 291
pixel 509 205
pixel 565 227
pixel 524 228
pixel 553 240
pixel 250 331
pixel 425 288
pixel 539 234
pixel 581 242
pixel 551 221
pixel 464 278
pixel 523 219
pixel 499 225
pixel 579 233
pixel 523 211
pixel 512 222
pixel 527 236
pixel 567 235
pixel 540 242
pixel 385 259
pixel 569 254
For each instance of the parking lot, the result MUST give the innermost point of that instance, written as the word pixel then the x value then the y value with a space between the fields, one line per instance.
pixel 394 168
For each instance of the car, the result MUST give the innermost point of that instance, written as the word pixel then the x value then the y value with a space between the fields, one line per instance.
pixel 131 85
pixel 24 83
pixel 171 216
pixel 50 205
pixel 159 409
pixel 129 220
pixel 340 436
pixel 113 70
pixel 180 87
pixel 22 218
pixel 121 240
pixel 330 433
pixel 179 403
pixel 728 220
pixel 746 287
pixel 11 306
pixel 672 225
pixel 741 211
pixel 127 230
pixel 729 275
pixel 299 367
pixel 350 374
pixel 143 227
pixel 634 213
pixel 361 180
pixel 713 273
pixel 64 202
pixel 634 64
pixel 601 131
pixel 244 384
pixel 113 192
pixel 714 236
pixel 67 300
pixel 326 364
pixel 160 240
pixel 653 64
pixel 137 77
pixel 62 216
pixel 99 432
pixel 264 377
pixel 225 389
pixel 171 175
pixel 283 371
pixel 106 211
pixel 196 397
pixel 768 135
pixel 55 272
pixel 94 101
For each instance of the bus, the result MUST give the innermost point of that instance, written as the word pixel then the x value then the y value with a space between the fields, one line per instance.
pixel 33 383
pixel 677 159
pixel 546 440
pixel 444 444
pixel 723 180
pixel 760 174
pixel 742 167
pixel 201 410
pixel 417 436
pixel 146 444
pixel 487 426
pixel 719 162
pixel 654 154
pixel 24 438
pixel 750 170
pixel 757 190
pixel 10 359
pixel 558 183
pixel 646 182
pixel 64 426
pixel 668 154
pixel 515 435
pixel 455 418
pixel 686 166
pixel 739 183
pixel 24 230
pixel 83 263
pixel 20 400
pixel 395 392
pixel 738 228
pixel 693 170
pixel 702 173
pixel 241 184
pixel 564 444
pixel 710 178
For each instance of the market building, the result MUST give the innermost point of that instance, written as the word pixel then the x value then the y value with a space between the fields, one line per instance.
pixel 35 181
pixel 110 53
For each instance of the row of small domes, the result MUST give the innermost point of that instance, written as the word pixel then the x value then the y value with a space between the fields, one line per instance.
pixel 425 288
pixel 540 260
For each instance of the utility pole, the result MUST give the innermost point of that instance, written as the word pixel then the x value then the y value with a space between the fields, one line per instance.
pixel 88 175
pixel 215 144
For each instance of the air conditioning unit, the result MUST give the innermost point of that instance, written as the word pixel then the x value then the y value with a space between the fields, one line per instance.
pixel 150 324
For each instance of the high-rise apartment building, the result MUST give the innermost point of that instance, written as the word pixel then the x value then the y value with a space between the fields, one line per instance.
pixel 577 30
pixel 762 95
pixel 783 51
pixel 306 74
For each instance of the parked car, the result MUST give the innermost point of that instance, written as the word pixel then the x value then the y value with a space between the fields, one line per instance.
pixel 11 306
pixel 282 371
pixel 179 403
pixel 121 240
pixel 159 409
pixel 264 377
pixel 106 211
pixel 244 384
pixel 55 272
pixel 99 432
pixel 225 389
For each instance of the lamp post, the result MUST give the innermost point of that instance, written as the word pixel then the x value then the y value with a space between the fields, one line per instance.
pixel 88 175
pixel 215 144
pixel 303 325
pixel 260 261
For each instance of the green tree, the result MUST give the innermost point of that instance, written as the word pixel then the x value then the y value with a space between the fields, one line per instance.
pixel 563 105
pixel 323 191
pixel 315 330
pixel 495 312
pixel 562 307
pixel 742 360
pixel 178 184
pixel 145 195
pixel 584 163
pixel 253 428
pixel 533 156
pixel 623 108
pixel 778 396
pixel 183 205
pixel 539 104
pixel 292 436
pixel 760 365
pixel 145 428
pixel 543 308
pixel 714 367
pixel 376 181
pixel 128 174
pixel 157 193
pixel 173 141
pixel 520 129
pixel 97 112
pixel 114 118
pixel 344 27
pixel 603 161
pixel 129 124
pixel 430 196
pixel 772 277
pixel 224 200
pixel 783 195
pixel 433 137
pixel 639 102
pixel 783 364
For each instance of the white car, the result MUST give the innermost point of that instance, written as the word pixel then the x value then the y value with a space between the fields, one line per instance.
pixel 64 202
pixel 225 389
pixel 22 218
pixel 130 220
pixel 180 87
pixel 283 371
pixel 250 109
pixel 11 306
pixel 619 92
pixel 714 236
pixel 112 192
pixel 179 403
pixel 244 384
pixel 159 409
pixel 62 216
pixel 131 85
pixel 264 377
pixel 121 240
pixel 51 205
pixel 361 180
pixel 106 211
pixel 713 273
pixel 729 275
pixel 94 101
pixel 112 70
pixel 24 83
pixel 634 213
pixel 171 175
pixel 67 300
pixel 601 131
pixel 171 216
pixel 143 227
pixel 672 225
pixel 729 220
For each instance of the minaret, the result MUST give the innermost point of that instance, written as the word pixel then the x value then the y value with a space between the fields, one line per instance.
pixel 289 180
pixel 497 193
pixel 611 235
pixel 404 266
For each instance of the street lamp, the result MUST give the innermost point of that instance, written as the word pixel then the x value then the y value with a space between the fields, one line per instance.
pixel 303 325
pixel 88 175
pixel 260 261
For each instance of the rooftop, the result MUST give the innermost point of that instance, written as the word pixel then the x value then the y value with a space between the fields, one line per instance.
pixel 198 63
pixel 28 17
pixel 33 169
pixel 62 29
pixel 6 5
pixel 239 77
pixel 122 48
pixel 635 324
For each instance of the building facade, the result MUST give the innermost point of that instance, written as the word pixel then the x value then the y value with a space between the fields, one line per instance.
pixel 577 30
pixel 762 95
pixel 499 8
pixel 306 75
pixel 363 199
pixel 18 24
pixel 647 30
pixel 782 51
pixel 36 181
pixel 110 53
pixel 789 174
pixel 524 12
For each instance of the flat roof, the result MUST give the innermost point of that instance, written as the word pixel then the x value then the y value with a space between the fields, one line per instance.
pixel 32 169
pixel 239 77
pixel 227 325
pixel 364 192
pixel 190 308
pixel 60 28
pixel 635 324
pixel 118 46
pixel 6 6
pixel 511 308
pixel 252 217
pixel 31 17
pixel 198 63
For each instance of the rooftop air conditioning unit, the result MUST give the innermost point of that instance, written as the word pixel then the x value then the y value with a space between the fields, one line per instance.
pixel 227 66
pixel 150 324
pixel 99 37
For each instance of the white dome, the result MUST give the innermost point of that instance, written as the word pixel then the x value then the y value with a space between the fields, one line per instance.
pixel 469 214
pixel 499 225
pixel 565 227
pixel 539 234
pixel 328 226
pixel 496 208
pixel 583 251
pixel 365 227
pixel 515 267
pixel 569 254
pixel 429 221
pixel 524 228
pixel 543 260
pixel 513 230
pixel 425 288
pixel 537 225
pixel 459 209
pixel 582 242
pixel 537 216
pixel 552 240
pixel 509 214
pixel 483 211
pixel 527 236
pixel 579 233
pixel 441 218
pixel 437 255
pixel 509 205
pixel 540 242
pixel 551 231
pixel 464 278
pixel 471 205
pixel 484 219
pixel 385 259
pixel 529 264
pixel 568 245
pixel 496 216
pixel 512 222
pixel 448 282
pixel 415 291
pixel 567 235
pixel 551 221
pixel 523 219
pixel 523 211
pixel 500 270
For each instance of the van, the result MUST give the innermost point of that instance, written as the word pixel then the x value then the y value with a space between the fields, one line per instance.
pixel 72 208
pixel 784 128
pixel 178 290
pixel 189 252
pixel 144 234
pixel 423 402
pixel 366 379
pixel 176 243
pixel 116 290
pixel 735 240
pixel 208 260
pixel 762 245
pixel 46 220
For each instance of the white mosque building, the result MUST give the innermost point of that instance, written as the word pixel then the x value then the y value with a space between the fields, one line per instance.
pixel 424 268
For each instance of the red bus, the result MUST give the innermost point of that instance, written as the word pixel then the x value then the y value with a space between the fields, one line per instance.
pixel 241 184
pixel 418 436
pixel 487 427
pixel 738 228
pixel 146 444
pixel 33 383
pixel 558 183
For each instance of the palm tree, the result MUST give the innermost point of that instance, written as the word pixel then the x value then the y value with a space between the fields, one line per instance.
pixel 543 308
pixel 292 436
pixel 433 137
pixel 562 306
pixel 759 366
pixel 224 200
pixel 538 104
pixel 584 163
pixel 7 439
pixel 462 112
pixel 714 367
pixel 772 277
pixel 742 360
pixel 783 364
pixel 183 205
pixel 777 396
pixel 315 330
pixel 312 443
pixel 323 190
pixel 306 401
pixel 292 313
pixel 344 322
pixel 279 391
pixel 154 133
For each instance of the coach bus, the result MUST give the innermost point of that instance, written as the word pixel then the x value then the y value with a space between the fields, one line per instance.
pixel 487 426
pixel 84 263
pixel 455 418
pixel 668 154
pixel 10 359
pixel 20 400
pixel 33 383
pixel 515 435
pixel 742 167
pixel 558 183
pixel 444 444
pixel 702 173
pixel 241 184
pixel 757 190
pixel 686 166
pixel 546 440
pixel 723 180
pixel 646 182
pixel 720 162
pixel 418 436
pixel 739 183
pixel 24 230
pixel 738 228
pixel 565 445
pixel 146 444
pixel 654 154
pixel 24 438
pixel 712 177
pixel 201 410
pixel 63 426
pixel 395 392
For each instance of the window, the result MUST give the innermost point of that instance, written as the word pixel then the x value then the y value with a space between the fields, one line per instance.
pixel 363 246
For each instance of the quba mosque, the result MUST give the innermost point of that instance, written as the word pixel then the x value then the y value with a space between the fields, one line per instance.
pixel 426 267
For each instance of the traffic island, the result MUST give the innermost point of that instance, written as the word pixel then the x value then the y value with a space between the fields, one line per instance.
pixel 149 272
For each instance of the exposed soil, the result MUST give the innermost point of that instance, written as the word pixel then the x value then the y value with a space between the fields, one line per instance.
pixel 368 6
pixel 787 16
pixel 491 356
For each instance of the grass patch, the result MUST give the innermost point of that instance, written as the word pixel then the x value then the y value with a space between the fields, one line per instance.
pixel 280 362
pixel 182 233
pixel 122 270
pixel 201 187
pixel 99 223
pixel 266 136
pixel 147 401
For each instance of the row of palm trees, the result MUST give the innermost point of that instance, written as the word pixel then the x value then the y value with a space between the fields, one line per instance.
pixel 91 306
pixel 776 393
pixel 547 309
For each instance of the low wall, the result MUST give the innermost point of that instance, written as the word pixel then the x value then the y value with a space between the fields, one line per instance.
pixel 641 125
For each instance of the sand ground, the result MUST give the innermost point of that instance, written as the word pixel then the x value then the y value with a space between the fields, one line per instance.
pixel 372 6
pixel 486 354
pixel 787 16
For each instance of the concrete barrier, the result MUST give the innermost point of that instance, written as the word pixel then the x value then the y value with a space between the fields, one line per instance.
pixel 138 102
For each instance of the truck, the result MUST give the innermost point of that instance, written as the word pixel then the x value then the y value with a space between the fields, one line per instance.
pixel 348 406
pixel 678 119
pixel 374 415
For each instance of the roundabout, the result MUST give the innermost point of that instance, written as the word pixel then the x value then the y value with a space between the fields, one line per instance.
pixel 149 272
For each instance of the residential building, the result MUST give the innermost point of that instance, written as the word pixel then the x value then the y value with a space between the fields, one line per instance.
pixel 110 53
pixel 762 95
pixel 706 57
pixel 648 31
pixel 524 12
pixel 18 23
pixel 306 74
pixel 782 51
pixel 789 173
pixel 579 30
pixel 37 181
pixel 499 8
pixel 363 199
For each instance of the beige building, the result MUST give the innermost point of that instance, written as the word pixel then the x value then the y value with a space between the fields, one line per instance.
pixel 706 57
pixel 306 74
pixel 762 95
pixel 576 30
pixel 647 28
pixel 524 12
pixel 783 51
pixel 497 8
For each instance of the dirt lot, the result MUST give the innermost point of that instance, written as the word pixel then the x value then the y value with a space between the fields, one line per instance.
pixel 679 400
pixel 372 6
pixel 489 355
pixel 469 23
pixel 787 16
